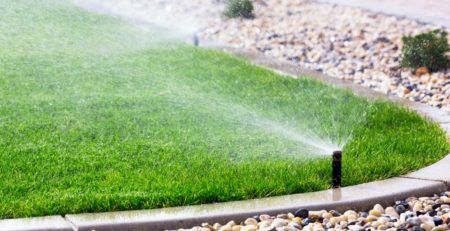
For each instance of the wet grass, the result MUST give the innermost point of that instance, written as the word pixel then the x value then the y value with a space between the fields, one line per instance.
pixel 96 115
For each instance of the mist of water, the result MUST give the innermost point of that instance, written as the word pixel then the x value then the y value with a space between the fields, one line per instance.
pixel 310 142
pixel 317 145
pixel 313 143
pixel 167 15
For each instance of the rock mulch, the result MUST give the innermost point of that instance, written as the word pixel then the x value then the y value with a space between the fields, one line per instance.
pixel 423 213
pixel 340 41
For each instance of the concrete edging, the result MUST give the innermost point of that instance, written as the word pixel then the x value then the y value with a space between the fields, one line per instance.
pixel 353 197
pixel 426 181
pixel 48 223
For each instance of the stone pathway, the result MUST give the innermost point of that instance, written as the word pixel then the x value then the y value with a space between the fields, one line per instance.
pixel 431 11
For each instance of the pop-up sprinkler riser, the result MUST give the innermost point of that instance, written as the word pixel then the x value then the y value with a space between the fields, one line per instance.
pixel 336 169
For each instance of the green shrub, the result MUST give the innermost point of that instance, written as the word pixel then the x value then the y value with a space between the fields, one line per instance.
pixel 239 8
pixel 426 50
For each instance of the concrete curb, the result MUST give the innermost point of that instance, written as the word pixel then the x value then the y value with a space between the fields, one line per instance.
pixel 353 197
pixel 439 171
pixel 426 181
pixel 49 223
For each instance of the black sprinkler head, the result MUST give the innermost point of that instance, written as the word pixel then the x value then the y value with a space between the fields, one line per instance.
pixel 196 40
pixel 336 169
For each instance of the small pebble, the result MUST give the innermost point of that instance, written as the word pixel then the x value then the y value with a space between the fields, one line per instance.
pixel 303 213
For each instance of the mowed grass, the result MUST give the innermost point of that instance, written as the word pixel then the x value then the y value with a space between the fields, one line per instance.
pixel 96 115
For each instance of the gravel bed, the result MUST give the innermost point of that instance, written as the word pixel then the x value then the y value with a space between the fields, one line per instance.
pixel 423 213
pixel 340 41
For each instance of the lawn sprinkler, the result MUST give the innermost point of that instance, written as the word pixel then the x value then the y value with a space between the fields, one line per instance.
pixel 336 169
pixel 195 40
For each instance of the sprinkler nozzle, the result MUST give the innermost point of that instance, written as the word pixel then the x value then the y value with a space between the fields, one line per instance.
pixel 195 40
pixel 336 169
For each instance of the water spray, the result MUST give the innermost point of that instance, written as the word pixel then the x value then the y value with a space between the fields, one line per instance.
pixel 336 169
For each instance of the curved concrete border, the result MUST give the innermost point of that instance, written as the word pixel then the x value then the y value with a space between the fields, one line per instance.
pixel 49 223
pixel 429 180
pixel 355 197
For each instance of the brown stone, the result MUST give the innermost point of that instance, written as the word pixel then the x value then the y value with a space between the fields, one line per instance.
pixel 406 91
pixel 421 71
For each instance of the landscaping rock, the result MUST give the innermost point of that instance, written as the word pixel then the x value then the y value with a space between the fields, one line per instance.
pixel 302 213
pixel 413 217
pixel 342 42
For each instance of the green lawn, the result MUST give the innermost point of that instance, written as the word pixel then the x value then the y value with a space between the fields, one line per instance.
pixel 96 115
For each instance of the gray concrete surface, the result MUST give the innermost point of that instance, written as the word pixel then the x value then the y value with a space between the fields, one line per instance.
pixel 430 11
pixel 49 223
pixel 446 127
pixel 439 171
